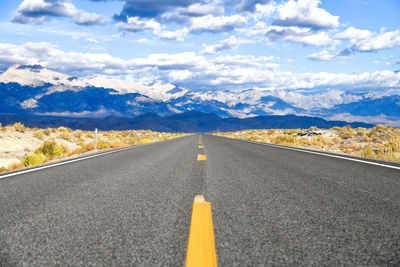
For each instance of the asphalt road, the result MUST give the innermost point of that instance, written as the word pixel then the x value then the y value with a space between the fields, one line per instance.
pixel 271 207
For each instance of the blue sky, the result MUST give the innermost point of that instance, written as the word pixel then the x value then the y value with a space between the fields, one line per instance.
pixel 210 44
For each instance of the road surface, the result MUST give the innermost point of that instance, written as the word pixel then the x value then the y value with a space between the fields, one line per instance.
pixel 271 207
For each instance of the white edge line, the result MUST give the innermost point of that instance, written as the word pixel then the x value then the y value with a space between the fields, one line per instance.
pixel 78 159
pixel 315 152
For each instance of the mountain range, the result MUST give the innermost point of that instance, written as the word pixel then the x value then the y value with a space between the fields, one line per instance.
pixel 32 91
pixel 190 121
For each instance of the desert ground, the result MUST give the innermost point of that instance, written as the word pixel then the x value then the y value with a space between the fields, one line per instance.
pixel 23 147
pixel 379 142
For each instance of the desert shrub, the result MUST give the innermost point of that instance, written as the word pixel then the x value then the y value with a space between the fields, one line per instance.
pixel 345 135
pixel 318 141
pixel 379 127
pixel 395 144
pixel 66 136
pixel 360 131
pixel 64 129
pixel 39 135
pixel 50 149
pixel 368 152
pixel 34 159
pixel 78 134
pixel 283 140
pixel 15 166
pixel 89 135
pixel 101 144
pixel 3 169
pixel 82 144
pixel 117 145
pixel 132 141
pixel 76 151
pixel 111 137
pixel 19 127
pixel 46 132
pixel 88 147
pixel 143 141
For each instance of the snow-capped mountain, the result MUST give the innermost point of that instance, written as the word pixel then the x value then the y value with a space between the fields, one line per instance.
pixel 35 90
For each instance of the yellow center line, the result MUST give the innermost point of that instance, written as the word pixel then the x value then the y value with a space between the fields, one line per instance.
pixel 201 146
pixel 201 245
pixel 201 157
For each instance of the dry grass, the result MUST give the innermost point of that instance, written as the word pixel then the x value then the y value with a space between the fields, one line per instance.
pixel 63 142
pixel 39 135
pixel 34 159
pixel 19 127
pixel 51 149
pixel 15 166
pixel 47 132
pixel 379 142
pixel 66 136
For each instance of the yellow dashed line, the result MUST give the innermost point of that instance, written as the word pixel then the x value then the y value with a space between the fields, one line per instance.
pixel 201 157
pixel 201 146
pixel 201 246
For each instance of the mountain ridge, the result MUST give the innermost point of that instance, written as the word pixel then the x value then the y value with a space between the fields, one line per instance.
pixel 185 122
pixel 36 91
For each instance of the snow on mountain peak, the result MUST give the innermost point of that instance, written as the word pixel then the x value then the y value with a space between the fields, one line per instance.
pixel 157 91
pixel 36 75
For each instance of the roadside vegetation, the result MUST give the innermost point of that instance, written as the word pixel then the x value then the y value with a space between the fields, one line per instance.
pixel 379 142
pixel 21 146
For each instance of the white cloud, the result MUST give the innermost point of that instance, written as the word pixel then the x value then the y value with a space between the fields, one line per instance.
pixel 180 75
pixel 85 18
pixel 352 33
pixel 29 103
pixel 245 5
pixel 102 112
pixel 317 39
pixel 192 70
pixel 136 24
pixel 98 48
pixel 142 40
pixel 202 9
pixel 323 55
pixel 297 35
pixel 210 23
pixel 37 11
pixel 228 44
pixel 264 11
pixel 92 40
pixel 305 13
pixel 387 40
pixel 245 60
pixel 178 35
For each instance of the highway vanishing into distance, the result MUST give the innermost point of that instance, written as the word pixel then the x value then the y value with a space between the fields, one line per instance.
pixel 270 207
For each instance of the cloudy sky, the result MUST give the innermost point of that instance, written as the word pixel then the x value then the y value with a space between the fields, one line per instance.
pixel 210 44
